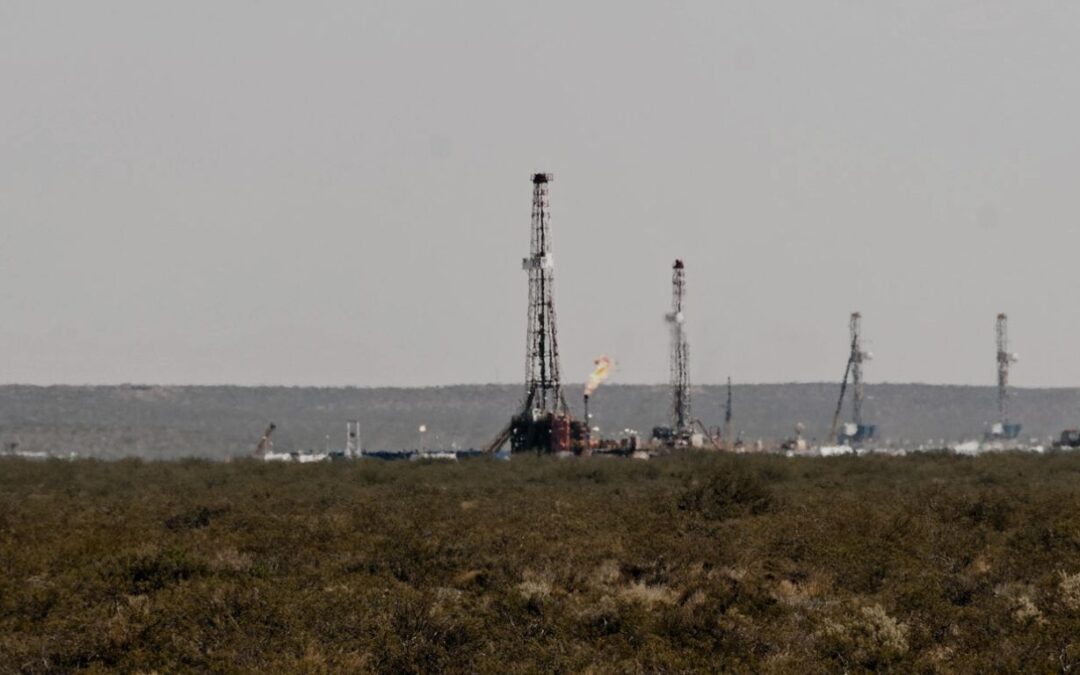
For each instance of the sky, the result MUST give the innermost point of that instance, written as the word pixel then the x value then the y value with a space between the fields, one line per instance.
pixel 337 193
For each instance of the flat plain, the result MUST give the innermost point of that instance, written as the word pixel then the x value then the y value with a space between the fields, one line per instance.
pixel 696 562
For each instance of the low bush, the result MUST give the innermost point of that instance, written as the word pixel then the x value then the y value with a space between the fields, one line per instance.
pixel 728 494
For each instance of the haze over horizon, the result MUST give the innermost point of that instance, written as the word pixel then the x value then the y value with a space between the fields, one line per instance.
pixel 332 194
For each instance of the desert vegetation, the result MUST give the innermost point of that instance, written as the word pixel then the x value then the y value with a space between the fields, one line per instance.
pixel 698 562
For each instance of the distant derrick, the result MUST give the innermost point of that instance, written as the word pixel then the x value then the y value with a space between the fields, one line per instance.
pixel 857 431
pixel 681 421
pixel 680 354
pixel 726 434
pixel 1003 429
pixel 543 422
pixel 1003 361
pixel 857 357
pixel 543 387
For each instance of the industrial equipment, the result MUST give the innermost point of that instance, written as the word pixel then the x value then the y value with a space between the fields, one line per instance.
pixel 543 422
pixel 1069 440
pixel 265 443
pixel 1003 429
pixel 856 432
pixel 680 431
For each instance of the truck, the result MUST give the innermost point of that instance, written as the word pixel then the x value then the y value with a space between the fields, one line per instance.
pixel 1069 440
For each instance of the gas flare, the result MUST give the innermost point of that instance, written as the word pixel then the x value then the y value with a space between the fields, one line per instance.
pixel 599 374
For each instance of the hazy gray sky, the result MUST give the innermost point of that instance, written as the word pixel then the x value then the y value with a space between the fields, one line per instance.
pixel 338 193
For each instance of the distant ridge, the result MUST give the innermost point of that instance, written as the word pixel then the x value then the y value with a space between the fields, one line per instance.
pixel 158 422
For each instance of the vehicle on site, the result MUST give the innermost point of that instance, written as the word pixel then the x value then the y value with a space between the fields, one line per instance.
pixel 1069 440
pixel 1001 431
pixel 796 443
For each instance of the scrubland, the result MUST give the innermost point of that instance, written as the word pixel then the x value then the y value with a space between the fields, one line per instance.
pixel 686 563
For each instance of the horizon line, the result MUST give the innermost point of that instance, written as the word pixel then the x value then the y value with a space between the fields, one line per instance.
pixel 574 385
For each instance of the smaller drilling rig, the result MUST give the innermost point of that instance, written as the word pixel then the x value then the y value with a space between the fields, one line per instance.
pixel 680 432
pixel 856 432
pixel 1003 429
pixel 727 431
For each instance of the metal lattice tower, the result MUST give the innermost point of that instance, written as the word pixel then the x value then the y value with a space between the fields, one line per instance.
pixel 680 353
pixel 727 414
pixel 1004 358
pixel 853 371
pixel 857 357
pixel 543 387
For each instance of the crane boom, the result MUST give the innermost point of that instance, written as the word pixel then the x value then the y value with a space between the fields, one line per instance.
pixel 843 388
pixel 264 442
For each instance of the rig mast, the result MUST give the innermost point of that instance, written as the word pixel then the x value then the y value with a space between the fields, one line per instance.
pixel 1004 359
pixel 543 387
pixel 858 431
pixel 1003 429
pixel 727 416
pixel 543 421
pixel 857 357
pixel 681 417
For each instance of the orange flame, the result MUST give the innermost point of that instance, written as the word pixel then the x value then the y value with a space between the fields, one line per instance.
pixel 599 374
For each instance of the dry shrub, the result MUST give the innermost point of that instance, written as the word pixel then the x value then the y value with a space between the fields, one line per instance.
pixel 600 617
pixel 648 595
pixel 607 574
pixel 728 495
pixel 869 638
pixel 535 589
pixel 196 518
pixel 1069 591
pixel 1019 598
pixel 228 559
pixel 797 594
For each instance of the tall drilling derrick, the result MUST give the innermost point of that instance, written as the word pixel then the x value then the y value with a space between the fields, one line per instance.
pixel 681 416
pixel 726 435
pixel 856 431
pixel 543 422
pixel 1003 429
pixel 1002 332
pixel 857 356
pixel 543 388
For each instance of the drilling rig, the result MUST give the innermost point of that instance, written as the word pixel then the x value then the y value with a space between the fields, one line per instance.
pixel 680 431
pixel 729 442
pixel 543 422
pixel 1003 429
pixel 856 432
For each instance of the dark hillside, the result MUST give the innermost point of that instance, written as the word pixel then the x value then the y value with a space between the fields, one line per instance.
pixel 170 422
